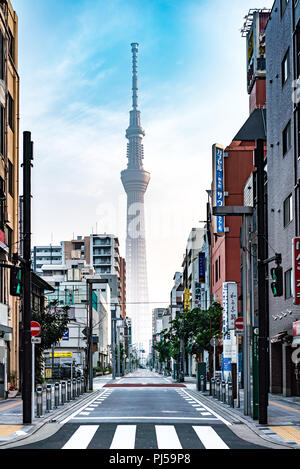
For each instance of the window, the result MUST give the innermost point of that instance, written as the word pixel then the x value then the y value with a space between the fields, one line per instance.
pixel 283 5
pixel 287 210
pixel 216 270
pixel 288 284
pixel 219 267
pixel 11 107
pixel 9 239
pixel 1 56
pixel 10 179
pixel 2 203
pixel 286 139
pixel 285 67
pixel 11 45
pixel 2 117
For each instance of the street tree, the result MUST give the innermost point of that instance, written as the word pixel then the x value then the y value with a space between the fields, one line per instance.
pixel 53 320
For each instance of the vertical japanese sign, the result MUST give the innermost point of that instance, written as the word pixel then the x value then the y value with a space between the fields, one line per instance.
pixel 187 299
pixel 230 312
pixel 201 267
pixel 296 270
pixel 218 185
pixel 225 329
pixel 232 304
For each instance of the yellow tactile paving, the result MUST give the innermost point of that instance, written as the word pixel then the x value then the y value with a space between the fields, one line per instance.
pixel 5 407
pixel 288 433
pixel 8 430
pixel 291 409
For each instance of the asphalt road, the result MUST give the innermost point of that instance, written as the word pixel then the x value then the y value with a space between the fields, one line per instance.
pixel 145 411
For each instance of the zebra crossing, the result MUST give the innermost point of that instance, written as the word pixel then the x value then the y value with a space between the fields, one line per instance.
pixel 145 436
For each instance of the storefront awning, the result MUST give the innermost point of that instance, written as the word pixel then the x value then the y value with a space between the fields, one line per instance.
pixel 278 337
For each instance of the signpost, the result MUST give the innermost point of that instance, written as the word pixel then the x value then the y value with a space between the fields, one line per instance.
pixel 214 342
pixel 35 329
pixel 239 329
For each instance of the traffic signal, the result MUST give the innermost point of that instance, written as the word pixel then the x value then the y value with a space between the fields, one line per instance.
pixel 277 284
pixel 16 281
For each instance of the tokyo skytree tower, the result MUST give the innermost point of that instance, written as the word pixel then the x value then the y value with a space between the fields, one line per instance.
pixel 135 181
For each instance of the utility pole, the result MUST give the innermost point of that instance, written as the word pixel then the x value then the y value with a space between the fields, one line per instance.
pixel 263 316
pixel 113 341
pixel 90 338
pixel 27 352
pixel 90 281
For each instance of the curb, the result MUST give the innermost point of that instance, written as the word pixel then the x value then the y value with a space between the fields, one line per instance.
pixel 52 417
pixel 239 418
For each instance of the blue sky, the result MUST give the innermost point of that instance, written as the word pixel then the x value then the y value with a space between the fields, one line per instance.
pixel 75 70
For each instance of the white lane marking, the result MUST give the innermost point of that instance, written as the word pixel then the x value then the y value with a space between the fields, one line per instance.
pixel 210 410
pixel 209 438
pixel 84 413
pixel 147 418
pixel 124 437
pixel 82 437
pixel 167 437
pixel 205 413
pixel 79 410
pixel 89 408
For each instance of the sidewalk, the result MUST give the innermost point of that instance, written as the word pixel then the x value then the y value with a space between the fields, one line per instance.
pixel 11 413
pixel 283 416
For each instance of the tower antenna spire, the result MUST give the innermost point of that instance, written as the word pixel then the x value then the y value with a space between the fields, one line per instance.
pixel 134 49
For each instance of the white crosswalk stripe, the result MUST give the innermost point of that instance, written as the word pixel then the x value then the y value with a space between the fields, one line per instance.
pixel 167 437
pixel 209 438
pixel 124 437
pixel 82 437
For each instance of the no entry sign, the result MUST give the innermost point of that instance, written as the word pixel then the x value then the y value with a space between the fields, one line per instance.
pixel 239 324
pixel 35 328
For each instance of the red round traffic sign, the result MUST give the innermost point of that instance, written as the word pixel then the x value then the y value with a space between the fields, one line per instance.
pixel 35 328
pixel 239 323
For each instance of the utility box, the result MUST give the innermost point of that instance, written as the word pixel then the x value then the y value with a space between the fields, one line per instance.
pixel 201 371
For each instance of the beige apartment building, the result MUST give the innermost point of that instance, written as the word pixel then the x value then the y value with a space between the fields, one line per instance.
pixel 9 193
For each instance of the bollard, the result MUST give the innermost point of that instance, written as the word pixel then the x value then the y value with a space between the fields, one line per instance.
pixel 48 397
pixel 63 392
pixel 69 390
pixel 39 401
pixel 202 383
pixel 230 394
pixel 217 389
pixel 78 387
pixel 223 391
pixel 82 385
pixel 56 395
pixel 74 388
pixel 212 387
